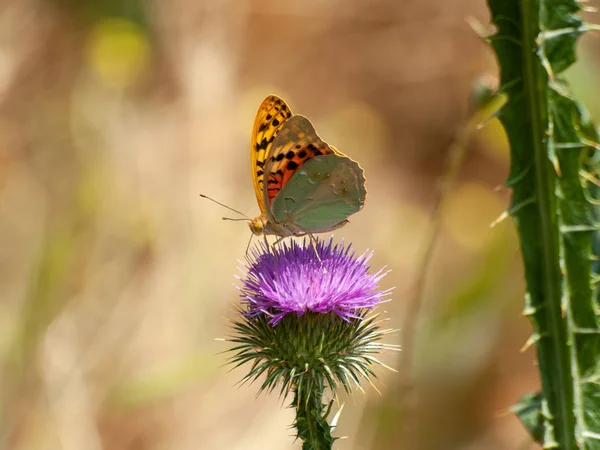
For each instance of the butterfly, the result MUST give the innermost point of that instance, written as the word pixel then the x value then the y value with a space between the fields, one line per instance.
pixel 302 184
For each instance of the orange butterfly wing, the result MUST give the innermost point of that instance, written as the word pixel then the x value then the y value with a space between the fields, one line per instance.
pixel 295 144
pixel 270 118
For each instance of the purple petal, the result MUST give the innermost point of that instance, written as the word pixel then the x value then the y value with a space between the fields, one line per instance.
pixel 290 278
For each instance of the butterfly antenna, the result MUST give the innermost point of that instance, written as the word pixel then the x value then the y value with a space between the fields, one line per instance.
pixel 233 219
pixel 225 206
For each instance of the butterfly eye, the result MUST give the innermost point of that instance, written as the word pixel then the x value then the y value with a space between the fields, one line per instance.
pixel 256 226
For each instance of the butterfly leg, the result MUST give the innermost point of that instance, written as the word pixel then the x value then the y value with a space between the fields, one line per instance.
pixel 279 240
pixel 267 245
pixel 249 241
pixel 313 242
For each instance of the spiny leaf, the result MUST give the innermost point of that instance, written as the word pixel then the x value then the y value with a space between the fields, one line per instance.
pixel 554 150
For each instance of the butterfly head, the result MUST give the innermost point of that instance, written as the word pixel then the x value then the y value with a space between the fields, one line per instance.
pixel 257 225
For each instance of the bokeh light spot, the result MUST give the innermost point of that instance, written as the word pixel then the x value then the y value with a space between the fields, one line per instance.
pixel 494 141
pixel 469 212
pixel 118 52
pixel 357 130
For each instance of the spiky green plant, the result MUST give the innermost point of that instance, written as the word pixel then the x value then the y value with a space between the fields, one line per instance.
pixel 553 173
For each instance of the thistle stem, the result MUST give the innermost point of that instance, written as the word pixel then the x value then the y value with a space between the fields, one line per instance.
pixel 311 419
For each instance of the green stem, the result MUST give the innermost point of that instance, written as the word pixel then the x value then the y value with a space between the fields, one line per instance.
pixel 553 356
pixel 549 136
pixel 311 419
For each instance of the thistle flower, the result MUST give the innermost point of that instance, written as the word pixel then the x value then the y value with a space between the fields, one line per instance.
pixel 294 279
pixel 307 324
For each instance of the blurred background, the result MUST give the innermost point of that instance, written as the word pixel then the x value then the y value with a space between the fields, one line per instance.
pixel 117 279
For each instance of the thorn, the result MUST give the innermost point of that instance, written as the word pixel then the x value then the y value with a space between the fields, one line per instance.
pixel 546 64
pixel 530 342
pixel 336 417
pixel 500 218
pixel 479 29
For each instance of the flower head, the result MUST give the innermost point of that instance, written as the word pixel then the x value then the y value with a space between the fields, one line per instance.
pixel 332 339
pixel 293 279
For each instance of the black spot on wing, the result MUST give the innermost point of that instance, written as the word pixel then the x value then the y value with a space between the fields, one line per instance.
pixel 292 165
pixel 263 144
